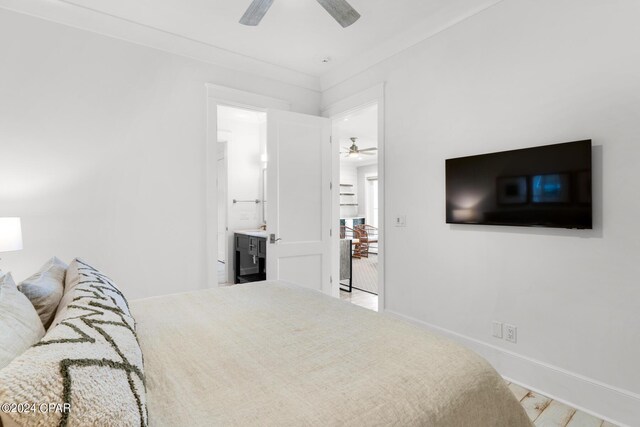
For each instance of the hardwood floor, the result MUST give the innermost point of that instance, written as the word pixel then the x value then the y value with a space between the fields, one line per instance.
pixel 365 273
pixel 543 411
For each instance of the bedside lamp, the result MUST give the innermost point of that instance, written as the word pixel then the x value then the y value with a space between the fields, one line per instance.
pixel 10 234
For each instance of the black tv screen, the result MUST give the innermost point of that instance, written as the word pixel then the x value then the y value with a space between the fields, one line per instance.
pixel 548 186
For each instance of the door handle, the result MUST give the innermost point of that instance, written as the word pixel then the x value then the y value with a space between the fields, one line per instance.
pixel 272 239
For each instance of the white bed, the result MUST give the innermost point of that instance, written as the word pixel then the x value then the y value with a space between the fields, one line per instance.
pixel 277 354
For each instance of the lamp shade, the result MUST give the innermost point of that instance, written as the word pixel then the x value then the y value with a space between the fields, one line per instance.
pixel 10 234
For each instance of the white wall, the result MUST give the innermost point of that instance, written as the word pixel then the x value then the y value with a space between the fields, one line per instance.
pixel 523 73
pixel 103 152
pixel 246 143
pixel 363 173
pixel 349 176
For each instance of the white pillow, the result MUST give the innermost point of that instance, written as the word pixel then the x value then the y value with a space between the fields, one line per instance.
pixel 44 289
pixel 20 325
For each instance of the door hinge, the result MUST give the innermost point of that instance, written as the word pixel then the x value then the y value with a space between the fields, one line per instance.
pixel 331 232
pixel 331 185
pixel 330 279
pixel 331 139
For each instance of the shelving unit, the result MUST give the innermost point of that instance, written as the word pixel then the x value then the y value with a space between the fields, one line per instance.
pixel 347 192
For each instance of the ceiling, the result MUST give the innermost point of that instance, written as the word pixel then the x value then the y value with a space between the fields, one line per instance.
pixel 362 124
pixel 295 34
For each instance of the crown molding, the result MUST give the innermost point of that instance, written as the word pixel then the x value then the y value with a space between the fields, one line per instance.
pixel 73 15
pixel 68 13
pixel 426 29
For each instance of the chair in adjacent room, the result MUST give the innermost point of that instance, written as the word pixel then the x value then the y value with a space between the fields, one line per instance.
pixel 355 236
pixel 368 236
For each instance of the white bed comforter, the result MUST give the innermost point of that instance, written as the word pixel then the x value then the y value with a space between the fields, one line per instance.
pixel 280 355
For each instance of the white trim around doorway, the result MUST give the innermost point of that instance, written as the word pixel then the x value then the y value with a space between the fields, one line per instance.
pixel 222 95
pixel 373 95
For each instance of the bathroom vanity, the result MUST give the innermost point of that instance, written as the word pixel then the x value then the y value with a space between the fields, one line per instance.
pixel 250 259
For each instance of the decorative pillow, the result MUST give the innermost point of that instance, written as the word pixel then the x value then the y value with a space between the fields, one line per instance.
pixel 44 289
pixel 20 326
pixel 89 362
pixel 77 275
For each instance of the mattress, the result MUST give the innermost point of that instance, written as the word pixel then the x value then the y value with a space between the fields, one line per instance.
pixel 277 354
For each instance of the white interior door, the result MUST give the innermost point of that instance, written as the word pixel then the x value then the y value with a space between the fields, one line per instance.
pixel 299 199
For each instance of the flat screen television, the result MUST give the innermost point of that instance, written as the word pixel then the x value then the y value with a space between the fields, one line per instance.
pixel 547 186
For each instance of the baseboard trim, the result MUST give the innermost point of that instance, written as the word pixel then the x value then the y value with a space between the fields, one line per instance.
pixel 613 404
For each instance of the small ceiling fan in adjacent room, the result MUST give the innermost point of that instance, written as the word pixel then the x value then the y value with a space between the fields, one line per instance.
pixel 355 152
pixel 339 9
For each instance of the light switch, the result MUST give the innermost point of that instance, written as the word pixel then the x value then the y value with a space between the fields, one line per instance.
pixel 497 329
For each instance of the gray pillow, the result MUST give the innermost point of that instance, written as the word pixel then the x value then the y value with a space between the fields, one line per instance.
pixel 45 288
pixel 20 326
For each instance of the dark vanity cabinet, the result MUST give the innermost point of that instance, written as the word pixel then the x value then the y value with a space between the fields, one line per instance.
pixel 250 258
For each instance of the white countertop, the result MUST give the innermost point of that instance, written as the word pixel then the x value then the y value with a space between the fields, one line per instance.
pixel 253 233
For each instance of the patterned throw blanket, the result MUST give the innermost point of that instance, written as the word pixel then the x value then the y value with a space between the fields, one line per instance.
pixel 88 368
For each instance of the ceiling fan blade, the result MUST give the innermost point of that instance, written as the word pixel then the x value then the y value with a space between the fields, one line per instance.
pixel 341 11
pixel 256 11
pixel 369 149
pixel 367 154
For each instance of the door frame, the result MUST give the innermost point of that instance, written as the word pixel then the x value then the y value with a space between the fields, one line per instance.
pixel 222 95
pixel 335 111
pixel 222 150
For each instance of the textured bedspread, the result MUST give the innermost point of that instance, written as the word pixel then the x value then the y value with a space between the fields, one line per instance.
pixel 279 355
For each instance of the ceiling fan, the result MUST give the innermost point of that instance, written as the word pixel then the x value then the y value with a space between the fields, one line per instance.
pixel 339 9
pixel 355 152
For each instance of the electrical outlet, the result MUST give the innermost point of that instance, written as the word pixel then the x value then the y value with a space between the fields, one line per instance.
pixel 511 333
pixel 497 329
pixel 400 221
